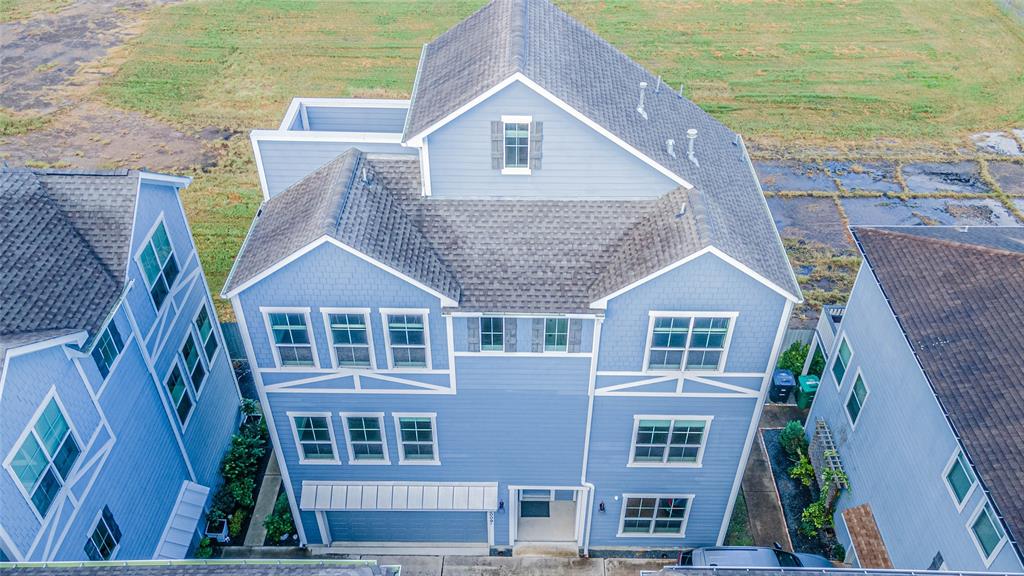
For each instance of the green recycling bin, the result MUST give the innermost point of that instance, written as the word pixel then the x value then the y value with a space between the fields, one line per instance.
pixel 805 392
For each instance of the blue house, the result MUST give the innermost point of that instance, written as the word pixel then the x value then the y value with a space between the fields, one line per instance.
pixel 117 396
pixel 535 307
pixel 922 400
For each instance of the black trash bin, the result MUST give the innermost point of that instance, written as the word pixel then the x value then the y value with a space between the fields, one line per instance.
pixel 783 383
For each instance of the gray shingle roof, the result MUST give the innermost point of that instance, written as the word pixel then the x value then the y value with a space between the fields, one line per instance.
pixel 561 55
pixel 193 568
pixel 345 200
pixel 959 297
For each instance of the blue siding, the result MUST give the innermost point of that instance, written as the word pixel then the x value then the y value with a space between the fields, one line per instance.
pixel 902 480
pixel 577 161
pixel 348 119
pixel 408 526
pixel 287 162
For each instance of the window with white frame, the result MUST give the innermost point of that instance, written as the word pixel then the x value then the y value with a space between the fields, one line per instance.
pixel 987 531
pixel 492 334
pixel 960 477
pixel 108 347
pixel 105 538
pixel 842 361
pixel 858 395
pixel 193 363
pixel 46 456
pixel 159 265
pixel 654 515
pixel 207 335
pixel 417 440
pixel 291 338
pixel 314 437
pixel 365 436
pixel 669 440
pixel 407 340
pixel 180 396
pixel 517 142
pixel 556 334
pixel 696 342
pixel 350 338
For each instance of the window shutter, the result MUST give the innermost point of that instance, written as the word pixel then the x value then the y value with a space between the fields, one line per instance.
pixel 497 139
pixel 575 334
pixel 510 334
pixel 537 345
pixel 473 334
pixel 536 144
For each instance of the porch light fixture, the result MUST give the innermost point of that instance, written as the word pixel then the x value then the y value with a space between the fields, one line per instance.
pixel 501 505
pixel 600 507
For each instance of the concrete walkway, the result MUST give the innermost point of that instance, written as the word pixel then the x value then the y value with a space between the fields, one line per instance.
pixel 264 503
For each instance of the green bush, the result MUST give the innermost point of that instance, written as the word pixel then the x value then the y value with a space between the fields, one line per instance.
pixel 250 407
pixel 243 458
pixel 817 366
pixel 237 522
pixel 838 552
pixel 205 549
pixel 793 440
pixel 793 358
pixel 803 471
pixel 279 522
pixel 814 518
pixel 242 490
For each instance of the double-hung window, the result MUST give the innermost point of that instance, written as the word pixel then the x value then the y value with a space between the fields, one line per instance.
pixel 556 334
pixel 207 336
pixel 855 402
pixel 417 438
pixel 960 478
pixel 314 438
pixel 292 342
pixel 180 395
pixel 694 342
pixel 107 348
pixel 407 340
pixel 366 440
pixel 46 456
pixel 516 130
pixel 652 515
pixel 105 538
pixel 350 338
pixel 987 531
pixel 492 333
pixel 842 361
pixel 193 363
pixel 159 265
pixel 669 440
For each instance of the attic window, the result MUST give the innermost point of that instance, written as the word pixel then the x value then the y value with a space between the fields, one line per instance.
pixel 516 131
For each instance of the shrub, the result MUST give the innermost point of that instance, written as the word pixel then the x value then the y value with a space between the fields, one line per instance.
pixel 250 407
pixel 793 358
pixel 793 440
pixel 241 489
pixel 838 552
pixel 814 518
pixel 237 522
pixel 802 471
pixel 243 458
pixel 817 363
pixel 279 522
pixel 205 549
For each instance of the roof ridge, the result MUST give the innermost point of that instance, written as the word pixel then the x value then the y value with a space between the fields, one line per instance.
pixel 334 219
pixel 519 30
pixel 886 231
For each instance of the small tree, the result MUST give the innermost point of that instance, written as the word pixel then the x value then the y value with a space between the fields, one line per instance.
pixel 793 440
pixel 793 358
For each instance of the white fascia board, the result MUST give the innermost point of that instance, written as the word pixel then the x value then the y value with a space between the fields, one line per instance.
pixel 176 181
pixel 291 113
pixel 416 139
pixel 445 300
pixel 259 163
pixel 353 102
pixel 325 136
pixel 602 303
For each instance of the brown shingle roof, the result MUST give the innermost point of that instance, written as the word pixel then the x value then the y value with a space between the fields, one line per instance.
pixel 867 540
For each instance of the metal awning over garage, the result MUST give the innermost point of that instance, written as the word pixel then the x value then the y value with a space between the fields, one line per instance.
pixel 459 496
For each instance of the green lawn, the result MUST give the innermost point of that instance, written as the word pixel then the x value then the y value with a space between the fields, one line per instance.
pixel 827 72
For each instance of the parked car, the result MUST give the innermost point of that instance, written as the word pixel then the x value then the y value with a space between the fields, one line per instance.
pixel 747 557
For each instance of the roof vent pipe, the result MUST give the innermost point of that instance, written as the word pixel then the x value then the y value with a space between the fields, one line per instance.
pixel 691 136
pixel 670 145
pixel 681 86
pixel 657 89
pixel 640 108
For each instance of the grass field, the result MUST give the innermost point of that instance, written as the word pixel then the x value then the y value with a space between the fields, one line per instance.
pixel 828 72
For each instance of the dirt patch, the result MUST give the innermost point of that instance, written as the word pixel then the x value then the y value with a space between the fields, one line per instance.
pixel 1009 176
pixel 92 135
pixel 930 177
pixel 996 143
pixel 805 218
pixel 865 176
pixel 779 176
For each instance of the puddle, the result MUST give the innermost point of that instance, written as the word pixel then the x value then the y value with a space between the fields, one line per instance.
pixel 779 176
pixel 804 270
pixel 944 177
pixel 865 176
pixel 970 212
pixel 996 143
pixel 806 218
pixel 1009 176
pixel 878 212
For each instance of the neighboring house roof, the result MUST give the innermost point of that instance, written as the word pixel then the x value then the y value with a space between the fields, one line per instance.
pixel 65 237
pixel 866 539
pixel 958 294
pixel 193 567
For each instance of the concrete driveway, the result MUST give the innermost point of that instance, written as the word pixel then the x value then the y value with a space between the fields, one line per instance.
pixel 518 566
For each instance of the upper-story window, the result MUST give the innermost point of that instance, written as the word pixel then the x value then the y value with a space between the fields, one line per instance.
pixel 556 334
pixel 180 395
pixel 988 532
pixel 159 266
pixel 293 344
pixel 959 478
pixel 492 333
pixel 314 438
pixel 350 337
pixel 407 337
pixel 696 342
pixel 105 538
pixel 516 144
pixel 842 361
pixel 107 348
pixel 855 402
pixel 46 456
pixel 669 440
pixel 207 336
pixel 417 438
pixel 193 363
pixel 364 434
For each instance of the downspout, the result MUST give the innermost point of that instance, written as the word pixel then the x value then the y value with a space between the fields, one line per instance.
pixel 591 489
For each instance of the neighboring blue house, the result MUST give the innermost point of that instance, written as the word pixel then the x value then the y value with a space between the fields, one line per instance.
pixel 923 397
pixel 117 396
pixel 534 307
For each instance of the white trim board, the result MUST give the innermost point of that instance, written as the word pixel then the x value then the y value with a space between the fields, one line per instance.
pixel 389 495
